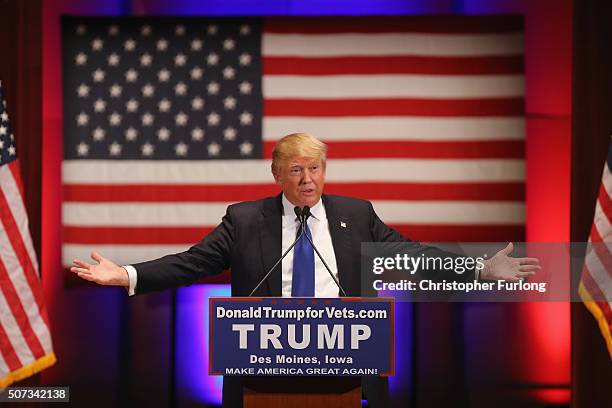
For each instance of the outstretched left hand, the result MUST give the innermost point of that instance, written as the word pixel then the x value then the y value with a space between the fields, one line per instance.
pixel 503 267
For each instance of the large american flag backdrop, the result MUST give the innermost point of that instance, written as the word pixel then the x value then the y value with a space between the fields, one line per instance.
pixel 169 120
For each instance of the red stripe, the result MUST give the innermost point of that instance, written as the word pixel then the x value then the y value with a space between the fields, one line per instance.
pixel 245 192
pixel 10 294
pixel 72 280
pixel 392 65
pixel 191 235
pixel 8 351
pixel 485 149
pixel 399 24
pixel 394 107
pixel 14 168
pixel 605 202
pixel 462 233
pixel 17 242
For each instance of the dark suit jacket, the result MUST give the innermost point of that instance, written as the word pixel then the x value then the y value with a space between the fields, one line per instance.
pixel 249 240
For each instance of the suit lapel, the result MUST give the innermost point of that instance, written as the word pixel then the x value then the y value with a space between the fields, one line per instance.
pixel 340 231
pixel 271 245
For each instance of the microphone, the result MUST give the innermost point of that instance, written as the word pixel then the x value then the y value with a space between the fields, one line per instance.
pixel 299 213
pixel 305 214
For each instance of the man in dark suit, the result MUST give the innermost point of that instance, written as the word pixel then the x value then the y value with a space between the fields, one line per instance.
pixel 253 235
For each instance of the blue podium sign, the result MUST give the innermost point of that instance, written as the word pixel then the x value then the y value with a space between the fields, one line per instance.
pixel 301 336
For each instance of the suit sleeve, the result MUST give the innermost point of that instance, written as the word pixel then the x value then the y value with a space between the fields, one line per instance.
pixel 396 243
pixel 209 257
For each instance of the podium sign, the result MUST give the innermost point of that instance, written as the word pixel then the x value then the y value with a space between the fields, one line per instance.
pixel 301 336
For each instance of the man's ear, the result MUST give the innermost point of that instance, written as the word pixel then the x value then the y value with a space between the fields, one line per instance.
pixel 276 175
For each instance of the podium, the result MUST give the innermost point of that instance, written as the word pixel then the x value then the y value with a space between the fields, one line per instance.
pixel 301 352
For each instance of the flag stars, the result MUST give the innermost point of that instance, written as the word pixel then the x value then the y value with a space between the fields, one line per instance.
pixel 148 90
pixel 163 134
pixel 197 134
pixel 131 75
pixel 181 149
pixel 114 119
pixel 213 149
pixel 213 88
pixel 246 148
pixel 147 149
pixel 213 118
pixel 245 29
pixel 115 90
pixel 229 102
pixel 129 45
pixel 179 30
pixel 114 149
pixel 132 105
pixel 11 150
pixel 4 116
pixel 131 134
pixel 3 130
pixel 162 44
pixel 164 105
pixel 113 59
pixel 81 58
pixel 99 105
pixel 113 30
pixel 197 103
pixel 81 29
pixel 145 30
pixel 180 89
pixel 146 59
pixel 245 87
pixel 98 75
pixel 196 73
pixel 229 44
pixel 244 59
pixel 98 134
pixel 163 75
pixel 97 44
pixel 212 59
pixel 212 29
pixel 196 44
pixel 181 119
pixel 147 119
pixel 229 73
pixel 229 133
pixel 83 91
pixel 180 59
pixel 82 149
pixel 245 118
pixel 82 119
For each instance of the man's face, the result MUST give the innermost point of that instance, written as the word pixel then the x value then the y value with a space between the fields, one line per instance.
pixel 302 180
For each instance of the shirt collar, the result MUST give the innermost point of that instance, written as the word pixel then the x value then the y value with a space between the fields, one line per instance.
pixel 317 212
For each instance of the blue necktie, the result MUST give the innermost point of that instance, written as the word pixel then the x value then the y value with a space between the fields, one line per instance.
pixel 303 279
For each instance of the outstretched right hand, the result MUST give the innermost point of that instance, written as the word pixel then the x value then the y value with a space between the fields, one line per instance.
pixel 105 272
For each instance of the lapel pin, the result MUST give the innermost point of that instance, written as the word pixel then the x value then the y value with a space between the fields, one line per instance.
pixel 343 224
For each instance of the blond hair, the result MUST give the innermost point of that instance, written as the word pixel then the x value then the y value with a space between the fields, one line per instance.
pixel 297 145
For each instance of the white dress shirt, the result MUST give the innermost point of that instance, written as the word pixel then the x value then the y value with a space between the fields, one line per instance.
pixel 319 229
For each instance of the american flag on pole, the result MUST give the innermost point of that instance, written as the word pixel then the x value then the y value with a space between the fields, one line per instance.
pixel 169 120
pixel 25 339
pixel 595 286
